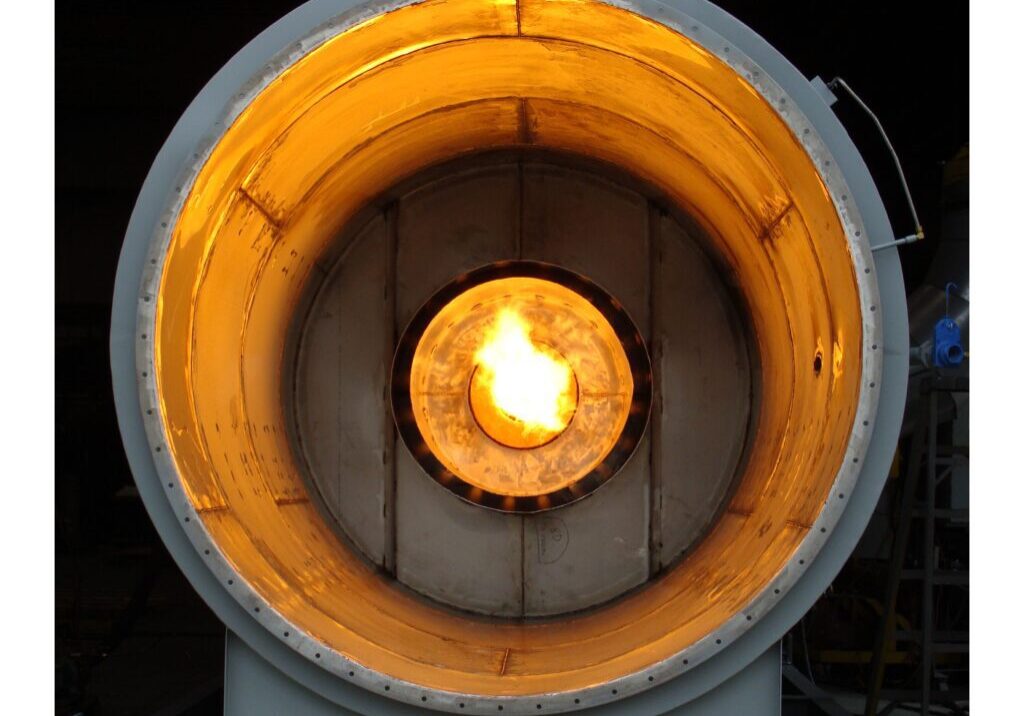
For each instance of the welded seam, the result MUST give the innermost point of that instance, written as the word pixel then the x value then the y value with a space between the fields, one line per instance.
pixel 525 136
pixel 522 568
pixel 212 508
pixel 378 68
pixel 268 217
pixel 654 517
pixel 771 226
pixel 390 497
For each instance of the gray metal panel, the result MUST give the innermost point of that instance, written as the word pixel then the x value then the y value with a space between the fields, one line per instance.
pixel 702 371
pixel 591 226
pixel 580 221
pixel 446 548
pixel 453 551
pixel 339 390
pixel 754 691
pixel 451 226
pixel 593 550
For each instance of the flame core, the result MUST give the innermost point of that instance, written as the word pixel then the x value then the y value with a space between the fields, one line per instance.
pixel 530 383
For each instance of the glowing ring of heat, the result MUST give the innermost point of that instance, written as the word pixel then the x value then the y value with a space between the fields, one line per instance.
pixel 611 429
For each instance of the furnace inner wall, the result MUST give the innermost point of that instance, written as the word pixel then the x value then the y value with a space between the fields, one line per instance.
pixel 423 83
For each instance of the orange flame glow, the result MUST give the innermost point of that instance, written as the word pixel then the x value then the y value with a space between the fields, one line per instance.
pixel 529 382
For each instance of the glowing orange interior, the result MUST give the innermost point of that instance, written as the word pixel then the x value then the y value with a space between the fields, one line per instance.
pixel 406 90
pixel 529 388
pixel 543 411
pixel 468 430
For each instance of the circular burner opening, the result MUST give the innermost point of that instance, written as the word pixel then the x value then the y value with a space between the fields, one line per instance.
pixel 521 386
pixel 526 395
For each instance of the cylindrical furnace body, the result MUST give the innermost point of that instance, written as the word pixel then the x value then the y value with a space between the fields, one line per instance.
pixel 376 218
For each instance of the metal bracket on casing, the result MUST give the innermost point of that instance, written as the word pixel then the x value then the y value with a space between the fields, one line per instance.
pixel 823 89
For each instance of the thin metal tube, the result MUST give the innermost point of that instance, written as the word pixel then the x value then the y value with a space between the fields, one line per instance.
pixel 918 230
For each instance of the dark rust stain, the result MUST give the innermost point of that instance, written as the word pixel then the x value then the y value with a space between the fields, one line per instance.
pixel 771 226
pixel 267 215
pixel 739 512
pixel 212 508
pixel 525 135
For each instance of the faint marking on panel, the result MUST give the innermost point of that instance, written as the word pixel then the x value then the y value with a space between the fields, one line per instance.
pixel 455 552
pixel 593 550
pixel 552 539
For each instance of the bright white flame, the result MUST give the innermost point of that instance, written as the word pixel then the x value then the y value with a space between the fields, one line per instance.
pixel 527 383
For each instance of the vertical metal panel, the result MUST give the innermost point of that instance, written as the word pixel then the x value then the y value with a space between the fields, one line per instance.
pixel 448 549
pixel 453 551
pixel 587 224
pixel 451 226
pixel 340 385
pixel 596 549
pixel 655 542
pixel 592 551
pixel 702 364
pixel 388 425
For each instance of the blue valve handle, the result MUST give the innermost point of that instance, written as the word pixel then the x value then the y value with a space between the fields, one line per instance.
pixel 947 350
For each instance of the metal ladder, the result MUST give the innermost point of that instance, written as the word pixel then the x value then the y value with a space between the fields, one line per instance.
pixel 938 463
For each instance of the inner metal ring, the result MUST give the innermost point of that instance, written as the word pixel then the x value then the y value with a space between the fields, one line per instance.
pixel 632 346
pixel 486 419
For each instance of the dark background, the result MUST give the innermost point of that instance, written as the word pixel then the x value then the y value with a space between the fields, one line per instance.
pixel 132 637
